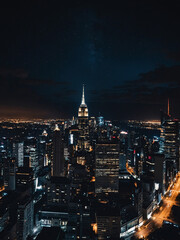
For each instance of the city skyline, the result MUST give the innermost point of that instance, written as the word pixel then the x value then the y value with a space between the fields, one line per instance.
pixel 89 178
pixel 90 120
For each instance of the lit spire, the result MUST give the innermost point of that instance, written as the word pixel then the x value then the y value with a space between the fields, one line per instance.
pixel 56 128
pixel 83 98
pixel 168 106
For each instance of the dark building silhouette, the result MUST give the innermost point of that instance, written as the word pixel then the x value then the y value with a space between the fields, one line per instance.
pixel 25 218
pixel 58 154
pixel 159 171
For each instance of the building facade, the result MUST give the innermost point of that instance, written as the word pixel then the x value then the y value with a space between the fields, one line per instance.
pixel 83 124
pixel 107 167
pixel 57 165
pixel 171 129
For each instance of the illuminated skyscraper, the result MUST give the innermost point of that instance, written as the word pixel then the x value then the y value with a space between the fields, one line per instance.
pixel 58 154
pixel 171 148
pixel 18 153
pixel 100 121
pixel 107 167
pixel 83 124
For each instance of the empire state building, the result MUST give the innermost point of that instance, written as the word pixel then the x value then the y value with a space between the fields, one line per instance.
pixel 83 126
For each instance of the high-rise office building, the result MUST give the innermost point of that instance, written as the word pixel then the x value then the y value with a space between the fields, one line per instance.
pixel 12 175
pixel 27 162
pixel 107 167
pixel 49 152
pixel 18 153
pixel 83 124
pixel 25 176
pixel 108 226
pixel 57 169
pixel 41 147
pixel 9 173
pixel 32 152
pixel 58 191
pixel 123 173
pixel 171 129
pixel 25 214
pixel 100 121
pixel 159 171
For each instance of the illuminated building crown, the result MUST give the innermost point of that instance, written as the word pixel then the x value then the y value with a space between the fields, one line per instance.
pixel 83 109
pixel 56 128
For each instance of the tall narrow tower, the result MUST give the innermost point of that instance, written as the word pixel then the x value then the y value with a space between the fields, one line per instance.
pixel 83 109
pixel 58 154
pixel 83 118
pixel 168 108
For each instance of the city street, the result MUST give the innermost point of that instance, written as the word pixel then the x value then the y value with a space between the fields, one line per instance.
pixel 157 219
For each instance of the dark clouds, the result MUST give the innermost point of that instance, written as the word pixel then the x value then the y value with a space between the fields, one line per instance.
pixel 162 81
pixel 146 95
pixel 127 54
pixel 28 97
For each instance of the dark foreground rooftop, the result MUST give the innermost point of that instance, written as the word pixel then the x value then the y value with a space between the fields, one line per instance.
pixel 51 233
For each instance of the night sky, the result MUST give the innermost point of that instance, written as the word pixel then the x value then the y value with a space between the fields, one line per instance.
pixel 127 53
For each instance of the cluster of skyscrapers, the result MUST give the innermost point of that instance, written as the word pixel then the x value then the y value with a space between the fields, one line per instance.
pixel 83 178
